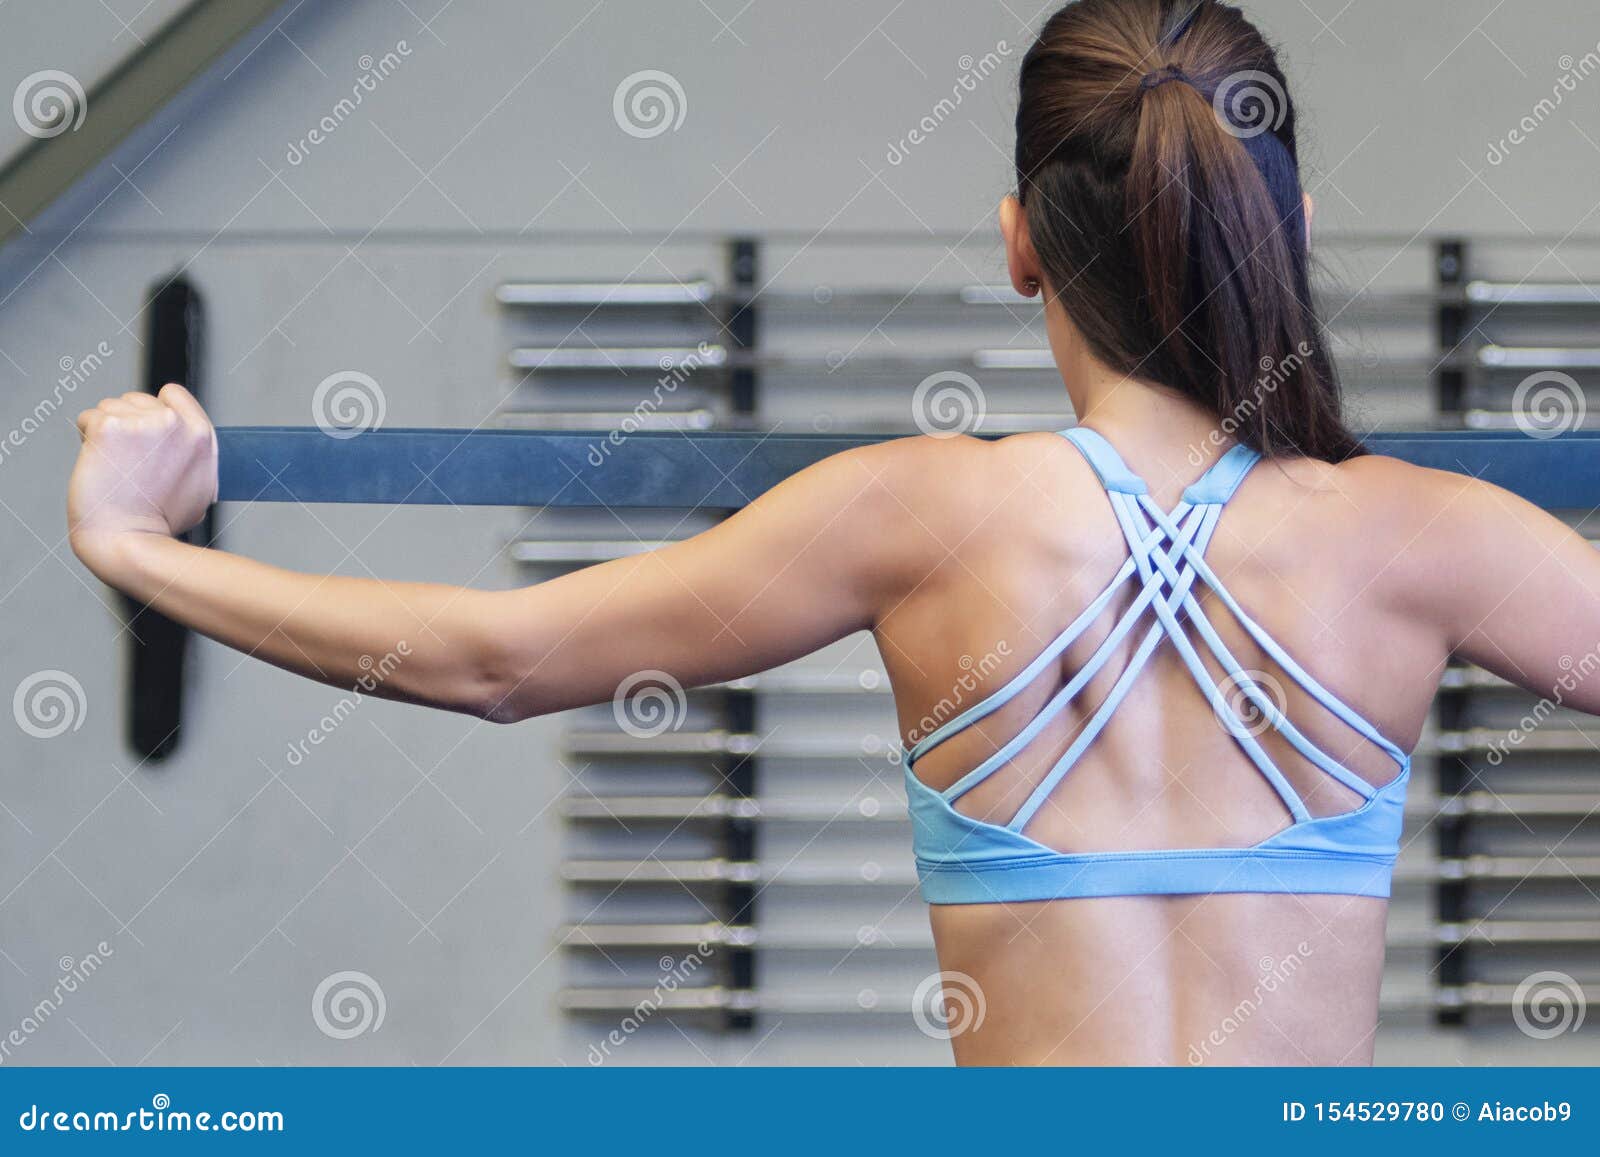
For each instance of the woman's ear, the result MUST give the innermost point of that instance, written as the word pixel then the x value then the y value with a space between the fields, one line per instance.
pixel 1026 275
pixel 1311 209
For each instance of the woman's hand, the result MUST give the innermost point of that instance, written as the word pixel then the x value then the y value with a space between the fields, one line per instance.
pixel 148 465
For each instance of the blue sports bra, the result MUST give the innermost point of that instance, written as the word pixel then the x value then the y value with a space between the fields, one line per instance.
pixel 962 860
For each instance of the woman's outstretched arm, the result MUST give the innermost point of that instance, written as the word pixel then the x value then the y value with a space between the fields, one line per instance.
pixel 1516 589
pixel 811 561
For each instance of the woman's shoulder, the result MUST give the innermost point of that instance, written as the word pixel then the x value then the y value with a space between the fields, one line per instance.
pixel 1378 481
pixel 1420 499
pixel 1414 519
pixel 942 466
pixel 967 489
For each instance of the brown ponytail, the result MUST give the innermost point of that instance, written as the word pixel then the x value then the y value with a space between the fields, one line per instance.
pixel 1156 159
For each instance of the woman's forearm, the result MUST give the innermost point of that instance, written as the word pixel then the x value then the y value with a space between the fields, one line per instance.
pixel 418 642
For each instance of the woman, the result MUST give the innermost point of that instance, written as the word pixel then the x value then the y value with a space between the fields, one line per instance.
pixel 1168 834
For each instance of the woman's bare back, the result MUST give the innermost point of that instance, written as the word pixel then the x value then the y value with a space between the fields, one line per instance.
pixel 1337 563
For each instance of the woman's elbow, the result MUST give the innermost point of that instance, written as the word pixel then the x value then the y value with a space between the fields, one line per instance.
pixel 470 676
pixel 499 707
pixel 502 686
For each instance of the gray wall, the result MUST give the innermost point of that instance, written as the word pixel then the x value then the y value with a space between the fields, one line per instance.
pixel 424 849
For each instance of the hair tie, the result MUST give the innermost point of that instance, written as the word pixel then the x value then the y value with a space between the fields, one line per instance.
pixel 1161 76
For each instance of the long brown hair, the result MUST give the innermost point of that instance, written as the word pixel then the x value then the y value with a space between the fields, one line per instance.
pixel 1157 162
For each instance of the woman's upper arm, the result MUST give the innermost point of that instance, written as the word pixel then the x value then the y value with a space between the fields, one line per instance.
pixel 1521 593
pixel 807 563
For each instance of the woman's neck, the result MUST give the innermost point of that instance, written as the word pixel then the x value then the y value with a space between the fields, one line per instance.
pixel 1160 434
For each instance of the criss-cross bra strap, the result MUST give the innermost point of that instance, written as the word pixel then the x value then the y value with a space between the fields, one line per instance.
pixel 1194 525
pixel 1119 690
pixel 1336 706
pixel 1240 678
pixel 1050 654
pixel 1216 486
pixel 1166 553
